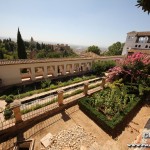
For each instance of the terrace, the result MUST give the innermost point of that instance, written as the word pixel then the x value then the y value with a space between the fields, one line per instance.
pixel 74 116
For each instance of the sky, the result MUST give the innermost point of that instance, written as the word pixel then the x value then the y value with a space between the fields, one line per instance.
pixel 79 22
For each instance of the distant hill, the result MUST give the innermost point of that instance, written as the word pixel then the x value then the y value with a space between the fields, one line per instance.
pixel 76 48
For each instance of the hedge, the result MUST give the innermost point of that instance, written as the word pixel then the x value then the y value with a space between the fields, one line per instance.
pixel 117 123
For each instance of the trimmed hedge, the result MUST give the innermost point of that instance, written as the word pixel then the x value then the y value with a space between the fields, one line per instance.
pixel 99 67
pixel 117 123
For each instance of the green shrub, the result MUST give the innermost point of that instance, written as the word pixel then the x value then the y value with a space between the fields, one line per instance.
pixel 99 67
pixel 77 79
pixel 3 97
pixel 94 86
pixel 52 86
pixel 9 99
pixel 45 83
pixel 8 113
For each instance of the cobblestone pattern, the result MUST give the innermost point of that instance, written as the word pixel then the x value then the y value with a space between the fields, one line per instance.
pixel 72 139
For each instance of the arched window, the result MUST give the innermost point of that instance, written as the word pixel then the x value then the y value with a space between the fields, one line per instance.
pixel 146 39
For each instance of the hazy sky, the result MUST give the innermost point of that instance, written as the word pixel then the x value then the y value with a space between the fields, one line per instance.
pixel 81 22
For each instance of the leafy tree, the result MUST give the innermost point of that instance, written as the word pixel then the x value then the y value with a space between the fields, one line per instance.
pixel 32 44
pixel 99 67
pixel 38 46
pixel 145 4
pixel 115 49
pixel 94 49
pixel 21 47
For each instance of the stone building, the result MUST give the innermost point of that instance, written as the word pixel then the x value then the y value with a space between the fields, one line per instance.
pixel 137 42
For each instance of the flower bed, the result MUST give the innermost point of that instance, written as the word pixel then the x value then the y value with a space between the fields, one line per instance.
pixel 129 85
pixel 111 107
pixel 117 123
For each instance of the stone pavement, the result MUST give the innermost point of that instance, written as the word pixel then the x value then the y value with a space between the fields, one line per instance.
pixel 75 117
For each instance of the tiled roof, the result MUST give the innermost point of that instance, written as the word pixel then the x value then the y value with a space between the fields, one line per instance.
pixel 30 61
pixel 144 33
pixel 89 54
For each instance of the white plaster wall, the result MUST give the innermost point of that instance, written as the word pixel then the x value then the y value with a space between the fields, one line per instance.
pixel 10 74
pixel 130 43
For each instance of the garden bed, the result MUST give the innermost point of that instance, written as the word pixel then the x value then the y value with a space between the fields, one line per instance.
pixel 31 90
pixel 118 122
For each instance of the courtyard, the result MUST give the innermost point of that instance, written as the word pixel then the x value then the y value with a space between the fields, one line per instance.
pixel 75 117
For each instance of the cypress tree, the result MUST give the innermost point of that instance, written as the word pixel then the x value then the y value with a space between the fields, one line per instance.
pixel 21 47
pixel 1 55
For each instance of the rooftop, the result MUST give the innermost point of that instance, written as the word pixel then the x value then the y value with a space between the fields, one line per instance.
pixel 143 33
pixel 30 61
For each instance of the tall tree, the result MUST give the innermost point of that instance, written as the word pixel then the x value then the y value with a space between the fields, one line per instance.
pixel 115 49
pixel 94 49
pixel 21 47
pixel 1 55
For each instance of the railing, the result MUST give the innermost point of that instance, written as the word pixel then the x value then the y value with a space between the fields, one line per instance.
pixel 24 112
pixel 4 124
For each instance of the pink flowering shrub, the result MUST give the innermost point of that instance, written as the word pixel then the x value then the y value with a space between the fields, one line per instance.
pixel 134 67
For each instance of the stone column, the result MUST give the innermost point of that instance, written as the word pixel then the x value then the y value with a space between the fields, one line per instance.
pixel 60 97
pixel 32 73
pixel 79 67
pixel 15 106
pixel 64 70
pixel 72 69
pixel 45 72
pixel 103 82
pixel 55 71
pixel 86 84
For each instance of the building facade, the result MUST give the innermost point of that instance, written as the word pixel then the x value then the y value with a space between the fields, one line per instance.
pixel 137 42
pixel 15 72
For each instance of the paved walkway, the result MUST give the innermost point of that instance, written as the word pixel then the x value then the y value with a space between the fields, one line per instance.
pixel 74 116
